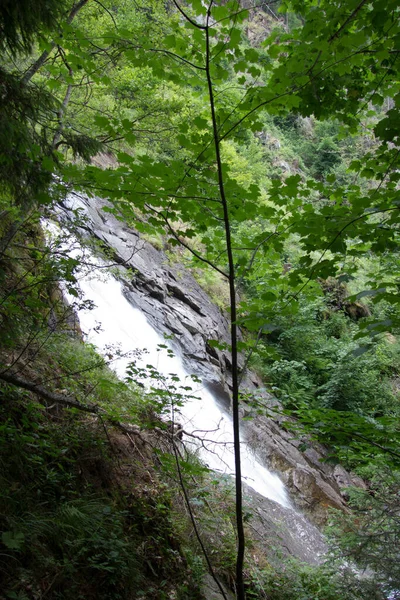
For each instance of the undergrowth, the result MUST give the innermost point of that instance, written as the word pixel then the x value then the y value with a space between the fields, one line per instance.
pixel 78 518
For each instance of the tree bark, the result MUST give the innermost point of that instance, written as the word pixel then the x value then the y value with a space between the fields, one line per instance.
pixel 61 113
pixel 240 593
pixel 38 64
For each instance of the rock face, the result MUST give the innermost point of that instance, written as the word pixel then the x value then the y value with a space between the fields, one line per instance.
pixel 315 484
pixel 211 591
pixel 171 299
pixel 283 532
pixel 176 305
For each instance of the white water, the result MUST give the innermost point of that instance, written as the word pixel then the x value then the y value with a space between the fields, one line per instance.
pixel 115 322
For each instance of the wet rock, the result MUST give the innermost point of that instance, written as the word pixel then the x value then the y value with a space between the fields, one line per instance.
pixel 316 485
pixel 347 480
pixel 276 527
pixel 211 591
pixel 179 293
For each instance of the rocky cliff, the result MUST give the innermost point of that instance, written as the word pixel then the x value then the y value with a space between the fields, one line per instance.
pixel 175 304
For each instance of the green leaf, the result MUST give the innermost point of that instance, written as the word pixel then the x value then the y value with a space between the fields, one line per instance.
pixel 13 540
pixel 360 350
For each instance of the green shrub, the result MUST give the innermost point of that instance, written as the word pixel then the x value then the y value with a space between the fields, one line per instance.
pixel 86 374
pixel 370 534
pixel 58 533
pixel 292 382
pixel 79 548
pixel 297 581
pixel 319 367
pixel 357 384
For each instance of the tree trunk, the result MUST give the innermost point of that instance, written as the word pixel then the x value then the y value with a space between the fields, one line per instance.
pixel 38 64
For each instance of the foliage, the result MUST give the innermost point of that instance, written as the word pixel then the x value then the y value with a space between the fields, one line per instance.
pixel 296 581
pixel 88 376
pixel 22 22
pixel 26 165
pixel 76 520
pixel 321 366
pixel 357 385
pixel 58 533
pixel 369 534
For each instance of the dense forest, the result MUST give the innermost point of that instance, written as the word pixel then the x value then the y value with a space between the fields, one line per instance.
pixel 256 144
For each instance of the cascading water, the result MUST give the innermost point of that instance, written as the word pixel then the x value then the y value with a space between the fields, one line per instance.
pixel 125 326
pixel 154 296
pixel 114 322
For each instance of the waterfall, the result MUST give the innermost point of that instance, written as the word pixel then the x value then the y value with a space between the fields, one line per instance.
pixel 115 322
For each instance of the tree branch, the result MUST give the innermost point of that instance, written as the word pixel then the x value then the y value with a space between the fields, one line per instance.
pixel 67 401
pixel 182 243
pixel 38 64
pixel 45 394
pixel 191 21
pixel 347 21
